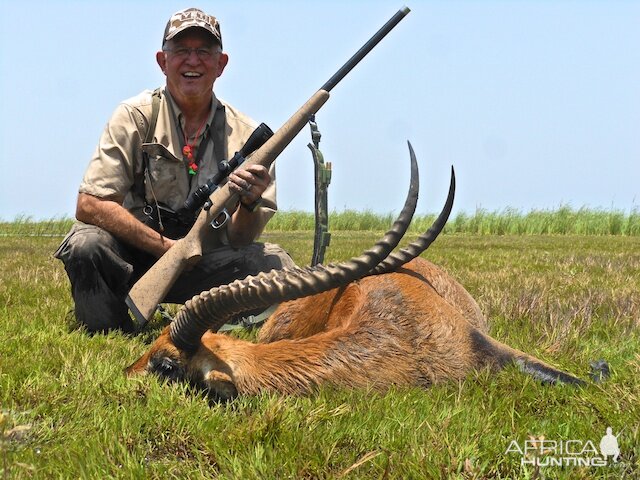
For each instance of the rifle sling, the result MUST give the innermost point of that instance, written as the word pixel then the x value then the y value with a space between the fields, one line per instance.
pixel 153 120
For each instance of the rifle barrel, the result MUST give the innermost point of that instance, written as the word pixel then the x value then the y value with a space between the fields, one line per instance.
pixel 366 48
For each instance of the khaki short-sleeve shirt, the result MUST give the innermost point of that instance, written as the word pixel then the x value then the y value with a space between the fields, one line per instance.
pixel 116 170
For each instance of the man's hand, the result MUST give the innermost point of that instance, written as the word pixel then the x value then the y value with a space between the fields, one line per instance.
pixel 249 183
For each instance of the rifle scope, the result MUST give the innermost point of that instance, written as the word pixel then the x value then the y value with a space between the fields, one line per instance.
pixel 200 196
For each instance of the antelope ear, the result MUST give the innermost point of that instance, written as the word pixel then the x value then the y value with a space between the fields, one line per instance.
pixel 220 385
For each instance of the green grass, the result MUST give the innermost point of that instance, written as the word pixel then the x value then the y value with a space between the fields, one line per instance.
pixel 69 412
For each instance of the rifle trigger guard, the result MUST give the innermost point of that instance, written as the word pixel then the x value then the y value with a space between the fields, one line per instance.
pixel 220 220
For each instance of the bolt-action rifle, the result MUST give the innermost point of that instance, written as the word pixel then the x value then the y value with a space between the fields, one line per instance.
pixel 149 291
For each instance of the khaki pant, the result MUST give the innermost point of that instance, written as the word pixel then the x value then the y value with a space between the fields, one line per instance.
pixel 102 270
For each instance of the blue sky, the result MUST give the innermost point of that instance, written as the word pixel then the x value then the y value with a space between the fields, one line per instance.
pixel 535 103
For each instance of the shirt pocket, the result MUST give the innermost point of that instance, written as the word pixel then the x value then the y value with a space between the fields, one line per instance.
pixel 168 177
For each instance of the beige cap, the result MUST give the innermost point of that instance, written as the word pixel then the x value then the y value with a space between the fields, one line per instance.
pixel 192 17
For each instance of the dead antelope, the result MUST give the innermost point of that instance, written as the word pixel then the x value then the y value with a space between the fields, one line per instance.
pixel 376 320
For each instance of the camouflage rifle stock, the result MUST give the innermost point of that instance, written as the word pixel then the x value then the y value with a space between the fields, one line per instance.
pixel 151 289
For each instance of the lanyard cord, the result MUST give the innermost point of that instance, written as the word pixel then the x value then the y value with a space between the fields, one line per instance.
pixel 188 148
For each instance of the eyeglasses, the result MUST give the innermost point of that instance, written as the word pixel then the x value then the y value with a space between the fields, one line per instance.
pixel 185 52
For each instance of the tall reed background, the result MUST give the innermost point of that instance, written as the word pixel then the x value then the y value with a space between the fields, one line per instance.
pixel 563 220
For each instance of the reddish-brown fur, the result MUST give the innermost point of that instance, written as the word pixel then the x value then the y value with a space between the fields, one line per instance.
pixel 415 326
pixel 329 309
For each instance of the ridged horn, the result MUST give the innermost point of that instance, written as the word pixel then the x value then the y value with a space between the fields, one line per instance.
pixel 415 248
pixel 212 308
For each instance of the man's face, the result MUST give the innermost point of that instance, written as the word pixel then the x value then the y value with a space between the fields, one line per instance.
pixel 192 62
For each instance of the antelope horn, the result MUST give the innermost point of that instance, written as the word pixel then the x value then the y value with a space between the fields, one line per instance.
pixel 415 248
pixel 212 308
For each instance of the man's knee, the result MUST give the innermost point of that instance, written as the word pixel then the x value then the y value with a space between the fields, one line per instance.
pixel 269 256
pixel 224 265
pixel 85 244
pixel 90 251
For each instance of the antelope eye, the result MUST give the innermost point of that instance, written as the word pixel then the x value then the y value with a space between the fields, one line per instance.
pixel 166 367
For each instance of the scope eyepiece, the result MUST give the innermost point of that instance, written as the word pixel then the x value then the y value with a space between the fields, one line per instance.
pixel 197 198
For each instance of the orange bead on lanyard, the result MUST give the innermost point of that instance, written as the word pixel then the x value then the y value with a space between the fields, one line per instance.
pixel 189 149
